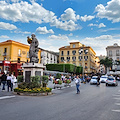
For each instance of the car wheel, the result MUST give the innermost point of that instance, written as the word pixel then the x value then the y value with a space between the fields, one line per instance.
pixel 106 84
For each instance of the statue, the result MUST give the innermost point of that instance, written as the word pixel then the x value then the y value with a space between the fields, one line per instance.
pixel 33 51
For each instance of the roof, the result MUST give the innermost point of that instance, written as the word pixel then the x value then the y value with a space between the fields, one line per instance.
pixel 12 41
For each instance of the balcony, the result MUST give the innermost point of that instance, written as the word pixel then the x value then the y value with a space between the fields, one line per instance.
pixel 4 54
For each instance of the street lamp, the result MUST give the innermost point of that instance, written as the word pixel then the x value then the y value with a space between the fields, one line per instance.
pixel 81 52
pixel 64 66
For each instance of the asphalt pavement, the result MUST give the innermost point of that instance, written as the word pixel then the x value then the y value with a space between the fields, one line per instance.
pixel 94 103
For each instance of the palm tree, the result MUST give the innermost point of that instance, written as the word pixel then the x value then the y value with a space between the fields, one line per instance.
pixel 107 63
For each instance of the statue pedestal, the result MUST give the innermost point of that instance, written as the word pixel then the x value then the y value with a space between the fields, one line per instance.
pixel 30 69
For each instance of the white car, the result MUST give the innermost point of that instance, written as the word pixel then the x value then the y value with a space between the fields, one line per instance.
pixel 103 79
pixel 93 80
pixel 111 81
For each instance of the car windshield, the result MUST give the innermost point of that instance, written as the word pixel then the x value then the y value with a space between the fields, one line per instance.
pixel 94 77
pixel 103 77
pixel 110 78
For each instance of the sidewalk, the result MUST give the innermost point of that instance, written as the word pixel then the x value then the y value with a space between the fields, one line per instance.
pixel 6 93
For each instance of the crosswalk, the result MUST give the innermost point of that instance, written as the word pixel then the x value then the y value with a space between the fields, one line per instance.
pixel 117 98
pixel 6 97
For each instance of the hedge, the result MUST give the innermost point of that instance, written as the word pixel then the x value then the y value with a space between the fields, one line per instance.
pixel 64 68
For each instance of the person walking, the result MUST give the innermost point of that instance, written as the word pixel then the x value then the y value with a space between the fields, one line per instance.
pixel 9 83
pixel 77 82
pixel 3 80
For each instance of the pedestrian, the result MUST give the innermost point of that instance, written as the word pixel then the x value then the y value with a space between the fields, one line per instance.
pixel 9 83
pixel 3 80
pixel 77 82
pixel 0 79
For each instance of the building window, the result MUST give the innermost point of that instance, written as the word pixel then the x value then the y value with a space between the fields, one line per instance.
pixel 5 52
pixel 118 59
pixel 110 53
pixel 117 52
pixel 62 59
pixel 47 56
pixel 86 51
pixel 68 59
pixel 62 53
pixel 54 58
pixel 86 58
pixel 73 58
pixel 73 52
pixel 80 58
pixel 68 52
pixel 51 57
pixel 73 45
pixel 85 65
pixel 19 52
pixel 5 58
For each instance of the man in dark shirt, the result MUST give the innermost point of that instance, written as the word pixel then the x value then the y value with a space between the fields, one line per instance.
pixel 3 80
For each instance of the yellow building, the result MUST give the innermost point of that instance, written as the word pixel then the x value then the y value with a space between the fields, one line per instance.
pixel 15 51
pixel 79 55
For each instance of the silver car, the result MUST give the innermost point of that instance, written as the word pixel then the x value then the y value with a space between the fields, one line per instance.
pixel 111 81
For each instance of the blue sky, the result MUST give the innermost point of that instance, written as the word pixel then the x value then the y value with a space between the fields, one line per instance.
pixel 56 23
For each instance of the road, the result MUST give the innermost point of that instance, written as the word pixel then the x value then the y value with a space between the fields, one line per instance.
pixel 94 103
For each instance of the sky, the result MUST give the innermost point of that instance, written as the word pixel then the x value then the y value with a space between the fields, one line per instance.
pixel 56 23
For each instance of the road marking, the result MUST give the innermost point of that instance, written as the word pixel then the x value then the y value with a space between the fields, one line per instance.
pixel 117 103
pixel 4 97
pixel 116 110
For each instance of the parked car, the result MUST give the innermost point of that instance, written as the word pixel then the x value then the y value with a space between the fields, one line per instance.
pixel 103 79
pixel 93 80
pixel 111 81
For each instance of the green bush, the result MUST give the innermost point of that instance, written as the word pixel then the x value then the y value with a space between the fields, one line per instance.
pixel 58 76
pixel 20 78
pixel 30 85
pixel 44 80
pixel 35 79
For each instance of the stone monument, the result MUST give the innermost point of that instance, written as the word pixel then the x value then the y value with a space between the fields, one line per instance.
pixel 32 68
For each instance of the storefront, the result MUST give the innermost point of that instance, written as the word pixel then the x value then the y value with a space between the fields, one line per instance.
pixel 8 67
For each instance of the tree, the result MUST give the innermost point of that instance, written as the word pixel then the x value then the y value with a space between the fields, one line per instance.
pixel 106 62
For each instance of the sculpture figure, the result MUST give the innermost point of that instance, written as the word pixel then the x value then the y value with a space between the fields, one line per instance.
pixel 33 51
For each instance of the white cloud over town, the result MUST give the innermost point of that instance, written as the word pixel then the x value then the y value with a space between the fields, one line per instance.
pixel 110 11
pixel 26 12
pixel 43 30
pixel 97 25
pixel 4 36
pixel 7 26
pixel 86 18
pixel 59 37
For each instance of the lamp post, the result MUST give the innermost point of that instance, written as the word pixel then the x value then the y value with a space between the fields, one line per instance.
pixel 81 52
pixel 64 66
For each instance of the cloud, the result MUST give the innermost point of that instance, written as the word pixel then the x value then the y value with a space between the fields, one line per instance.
pixel 43 30
pixel 69 15
pixel 97 25
pixel 7 26
pixel 101 42
pixel 59 37
pixel 25 12
pixel 4 36
pixel 109 29
pixel 71 34
pixel 86 18
pixel 67 25
pixel 110 11
pixel 25 32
